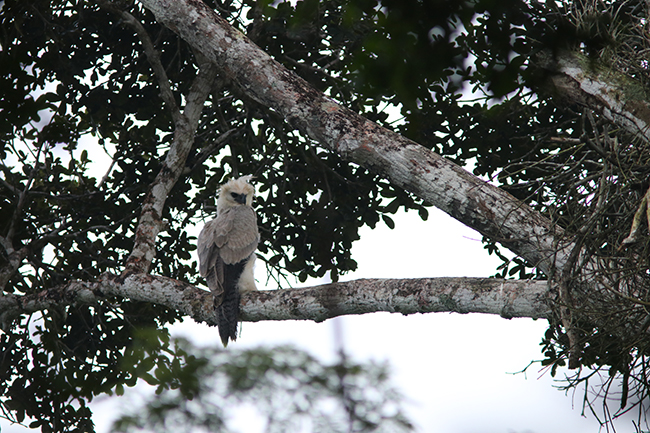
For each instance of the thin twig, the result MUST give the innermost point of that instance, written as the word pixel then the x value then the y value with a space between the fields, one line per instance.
pixel 152 55
pixel 644 207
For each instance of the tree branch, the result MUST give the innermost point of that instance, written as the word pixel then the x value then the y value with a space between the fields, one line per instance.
pixel 153 56
pixel 15 257
pixel 13 262
pixel 614 95
pixel 209 150
pixel 644 208
pixel 408 165
pixel 507 298
pixel 186 123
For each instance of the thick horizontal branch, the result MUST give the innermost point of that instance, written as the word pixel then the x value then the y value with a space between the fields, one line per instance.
pixel 507 298
pixel 408 165
pixel 183 297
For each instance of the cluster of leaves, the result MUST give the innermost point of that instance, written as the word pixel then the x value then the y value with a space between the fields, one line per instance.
pixel 70 69
pixel 199 389
pixel 563 160
pixel 62 360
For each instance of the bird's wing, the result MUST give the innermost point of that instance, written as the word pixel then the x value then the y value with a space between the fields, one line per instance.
pixel 228 239
pixel 210 263
pixel 237 235
pixel 206 248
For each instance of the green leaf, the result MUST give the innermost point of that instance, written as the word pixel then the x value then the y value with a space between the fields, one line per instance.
pixel 389 221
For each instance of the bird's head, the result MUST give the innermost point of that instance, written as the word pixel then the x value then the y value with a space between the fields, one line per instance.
pixel 235 192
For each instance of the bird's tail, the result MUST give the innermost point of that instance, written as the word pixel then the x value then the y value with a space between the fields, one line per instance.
pixel 228 316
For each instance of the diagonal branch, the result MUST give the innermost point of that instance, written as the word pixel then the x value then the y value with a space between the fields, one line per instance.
pixel 644 208
pixel 507 298
pixel 408 165
pixel 616 96
pixel 153 56
pixel 16 257
pixel 185 125
pixel 13 262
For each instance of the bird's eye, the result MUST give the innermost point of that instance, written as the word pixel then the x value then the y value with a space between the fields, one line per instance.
pixel 233 195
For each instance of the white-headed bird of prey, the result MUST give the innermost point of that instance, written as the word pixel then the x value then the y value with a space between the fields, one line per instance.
pixel 226 248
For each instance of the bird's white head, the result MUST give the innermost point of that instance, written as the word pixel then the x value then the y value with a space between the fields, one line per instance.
pixel 235 192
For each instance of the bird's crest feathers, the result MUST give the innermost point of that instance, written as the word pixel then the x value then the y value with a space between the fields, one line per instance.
pixel 240 185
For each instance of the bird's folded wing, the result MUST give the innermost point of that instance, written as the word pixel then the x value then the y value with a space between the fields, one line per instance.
pixel 232 236
pixel 206 248
pixel 242 237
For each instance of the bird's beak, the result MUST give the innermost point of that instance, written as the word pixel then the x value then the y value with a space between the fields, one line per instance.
pixel 240 198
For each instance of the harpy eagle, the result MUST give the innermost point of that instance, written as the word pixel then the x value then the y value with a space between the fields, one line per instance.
pixel 226 248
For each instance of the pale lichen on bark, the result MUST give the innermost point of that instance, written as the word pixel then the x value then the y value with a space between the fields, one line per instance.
pixel 319 303
pixel 590 83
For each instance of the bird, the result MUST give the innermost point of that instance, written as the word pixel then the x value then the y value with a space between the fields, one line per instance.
pixel 226 249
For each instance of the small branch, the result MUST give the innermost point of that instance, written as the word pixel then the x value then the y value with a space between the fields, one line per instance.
pixel 507 298
pixel 14 261
pixel 22 198
pixel 108 172
pixel 567 305
pixel 209 150
pixel 566 316
pixel 15 257
pixel 627 298
pixel 150 223
pixel 644 207
pixel 153 56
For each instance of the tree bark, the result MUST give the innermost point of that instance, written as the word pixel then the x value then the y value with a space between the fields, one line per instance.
pixel 185 124
pixel 507 298
pixel 616 96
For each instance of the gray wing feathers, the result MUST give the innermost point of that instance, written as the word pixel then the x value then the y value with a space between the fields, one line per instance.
pixel 239 236
pixel 228 239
